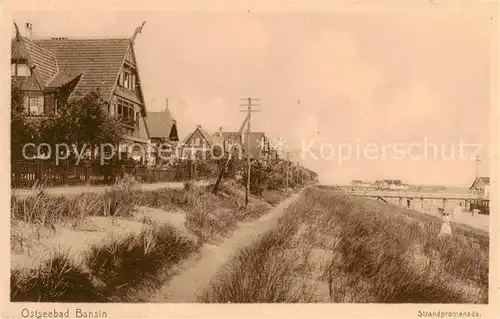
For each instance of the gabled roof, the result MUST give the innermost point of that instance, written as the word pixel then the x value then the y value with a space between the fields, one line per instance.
pixel 160 124
pixel 36 55
pixel 63 78
pixel 98 60
pixel 485 180
pixel 211 139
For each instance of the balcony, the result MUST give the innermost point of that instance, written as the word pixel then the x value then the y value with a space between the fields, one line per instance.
pixel 129 122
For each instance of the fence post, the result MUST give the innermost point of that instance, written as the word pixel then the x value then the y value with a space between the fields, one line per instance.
pixel 190 169
pixel 38 170
pixel 87 173
pixel 65 170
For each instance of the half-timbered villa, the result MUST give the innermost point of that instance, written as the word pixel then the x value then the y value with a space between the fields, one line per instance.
pixel 51 71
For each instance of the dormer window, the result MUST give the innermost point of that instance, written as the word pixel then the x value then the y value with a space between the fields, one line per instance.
pixel 19 69
pixel 127 80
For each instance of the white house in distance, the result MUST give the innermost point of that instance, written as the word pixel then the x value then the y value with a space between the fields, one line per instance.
pixel 481 186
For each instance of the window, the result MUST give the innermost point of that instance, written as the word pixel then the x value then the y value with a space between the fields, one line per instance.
pixel 137 119
pixel 23 70
pixel 19 69
pixel 35 106
pixel 127 80
pixel 197 142
pixel 126 110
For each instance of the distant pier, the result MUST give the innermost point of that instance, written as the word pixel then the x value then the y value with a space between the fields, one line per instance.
pixel 412 200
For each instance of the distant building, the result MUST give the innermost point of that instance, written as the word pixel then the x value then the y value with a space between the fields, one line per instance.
pixel 481 186
pixel 259 143
pixel 394 184
pixel 362 185
pixel 163 134
pixel 201 143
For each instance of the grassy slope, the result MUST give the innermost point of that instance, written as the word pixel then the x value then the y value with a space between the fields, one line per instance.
pixel 330 247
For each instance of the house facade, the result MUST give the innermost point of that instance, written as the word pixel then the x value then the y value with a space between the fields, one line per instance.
pixel 200 144
pixel 163 134
pixel 52 71
pixel 481 186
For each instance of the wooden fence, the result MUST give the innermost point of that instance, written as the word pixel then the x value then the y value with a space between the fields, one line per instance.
pixel 26 174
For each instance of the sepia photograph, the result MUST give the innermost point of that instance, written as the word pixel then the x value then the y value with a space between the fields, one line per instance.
pixel 249 155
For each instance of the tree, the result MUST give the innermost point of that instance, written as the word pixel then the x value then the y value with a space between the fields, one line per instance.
pixel 81 123
pixel 259 177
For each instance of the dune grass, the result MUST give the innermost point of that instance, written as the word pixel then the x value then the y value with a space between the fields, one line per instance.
pixel 334 248
pixel 114 268
pixel 208 216
pixel 48 210
pixel 262 273
pixel 108 272
pixel 58 280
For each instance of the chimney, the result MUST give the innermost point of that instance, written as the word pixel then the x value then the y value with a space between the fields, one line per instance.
pixel 219 133
pixel 29 29
pixel 198 126
pixel 166 104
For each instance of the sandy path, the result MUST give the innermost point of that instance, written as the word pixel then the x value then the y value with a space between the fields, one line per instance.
pixel 198 271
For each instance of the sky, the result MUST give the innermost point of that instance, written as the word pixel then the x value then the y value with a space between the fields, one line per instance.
pixel 323 79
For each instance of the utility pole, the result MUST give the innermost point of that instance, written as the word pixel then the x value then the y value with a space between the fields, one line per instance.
pixel 249 111
pixel 298 173
pixel 287 168
pixel 477 164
